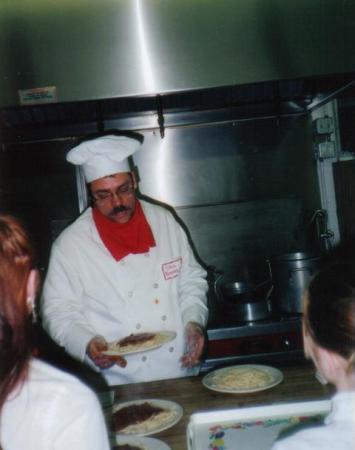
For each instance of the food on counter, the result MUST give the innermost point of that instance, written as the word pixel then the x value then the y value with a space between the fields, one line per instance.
pixel 133 414
pixel 242 378
pixel 140 418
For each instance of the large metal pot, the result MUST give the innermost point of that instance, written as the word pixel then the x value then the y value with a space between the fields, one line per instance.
pixel 243 300
pixel 290 274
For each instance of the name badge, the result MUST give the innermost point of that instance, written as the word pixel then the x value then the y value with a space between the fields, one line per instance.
pixel 171 269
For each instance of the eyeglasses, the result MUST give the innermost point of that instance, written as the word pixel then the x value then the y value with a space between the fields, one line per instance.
pixel 122 191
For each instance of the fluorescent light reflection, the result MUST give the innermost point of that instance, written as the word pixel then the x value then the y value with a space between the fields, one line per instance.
pixel 147 71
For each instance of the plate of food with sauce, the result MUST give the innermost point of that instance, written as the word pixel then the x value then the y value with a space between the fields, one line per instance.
pixel 145 417
pixel 139 342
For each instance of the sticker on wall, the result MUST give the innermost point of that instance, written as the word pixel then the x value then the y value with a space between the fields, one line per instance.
pixel 38 96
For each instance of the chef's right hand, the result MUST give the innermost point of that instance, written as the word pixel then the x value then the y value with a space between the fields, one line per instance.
pixel 94 350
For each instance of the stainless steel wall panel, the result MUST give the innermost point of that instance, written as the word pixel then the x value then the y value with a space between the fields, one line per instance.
pixel 237 186
pixel 231 237
pixel 112 48
pixel 228 162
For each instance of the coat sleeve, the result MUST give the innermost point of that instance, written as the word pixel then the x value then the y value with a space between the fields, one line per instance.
pixel 192 283
pixel 61 306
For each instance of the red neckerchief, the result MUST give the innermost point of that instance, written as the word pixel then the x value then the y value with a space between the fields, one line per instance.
pixel 135 236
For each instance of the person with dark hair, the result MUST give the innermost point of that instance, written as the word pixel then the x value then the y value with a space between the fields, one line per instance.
pixel 124 267
pixel 329 340
pixel 41 408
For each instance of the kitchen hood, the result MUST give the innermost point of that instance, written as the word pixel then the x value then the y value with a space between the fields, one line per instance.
pixel 93 50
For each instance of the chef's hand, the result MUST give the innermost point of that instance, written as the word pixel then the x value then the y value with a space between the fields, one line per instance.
pixel 195 341
pixel 94 350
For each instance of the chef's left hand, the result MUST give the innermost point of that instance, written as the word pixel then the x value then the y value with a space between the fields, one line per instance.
pixel 195 341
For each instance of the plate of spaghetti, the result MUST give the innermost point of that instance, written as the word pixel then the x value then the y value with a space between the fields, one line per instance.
pixel 243 378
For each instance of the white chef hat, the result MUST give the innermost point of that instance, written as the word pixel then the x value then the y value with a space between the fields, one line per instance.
pixel 103 156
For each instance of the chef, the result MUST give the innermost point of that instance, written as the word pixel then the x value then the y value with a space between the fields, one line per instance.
pixel 124 267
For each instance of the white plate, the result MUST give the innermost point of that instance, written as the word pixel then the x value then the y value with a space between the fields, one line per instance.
pixel 165 404
pixel 145 442
pixel 164 337
pixel 210 380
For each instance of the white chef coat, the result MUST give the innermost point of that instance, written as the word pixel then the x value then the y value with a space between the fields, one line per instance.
pixel 337 433
pixel 88 293
pixel 52 410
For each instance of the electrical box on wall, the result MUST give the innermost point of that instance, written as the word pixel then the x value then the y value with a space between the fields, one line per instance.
pixel 326 149
pixel 324 125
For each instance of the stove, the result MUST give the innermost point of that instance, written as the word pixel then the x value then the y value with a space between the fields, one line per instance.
pixel 230 341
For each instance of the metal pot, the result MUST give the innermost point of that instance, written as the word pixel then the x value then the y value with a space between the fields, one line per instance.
pixel 290 274
pixel 246 310
pixel 243 300
pixel 234 288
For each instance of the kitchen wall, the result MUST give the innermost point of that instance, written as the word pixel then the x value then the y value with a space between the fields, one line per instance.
pixel 245 189
pixel 344 173
pixel 39 186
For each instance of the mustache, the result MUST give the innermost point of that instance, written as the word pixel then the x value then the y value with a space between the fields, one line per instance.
pixel 118 209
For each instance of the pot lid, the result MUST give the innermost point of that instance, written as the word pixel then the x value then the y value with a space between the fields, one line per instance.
pixel 296 256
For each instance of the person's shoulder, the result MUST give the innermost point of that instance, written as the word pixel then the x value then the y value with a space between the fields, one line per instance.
pixel 41 371
pixel 158 211
pixel 53 381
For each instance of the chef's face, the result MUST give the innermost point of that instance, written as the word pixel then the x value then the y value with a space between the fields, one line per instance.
pixel 114 196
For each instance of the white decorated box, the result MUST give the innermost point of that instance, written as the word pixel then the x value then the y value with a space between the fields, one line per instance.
pixel 254 428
